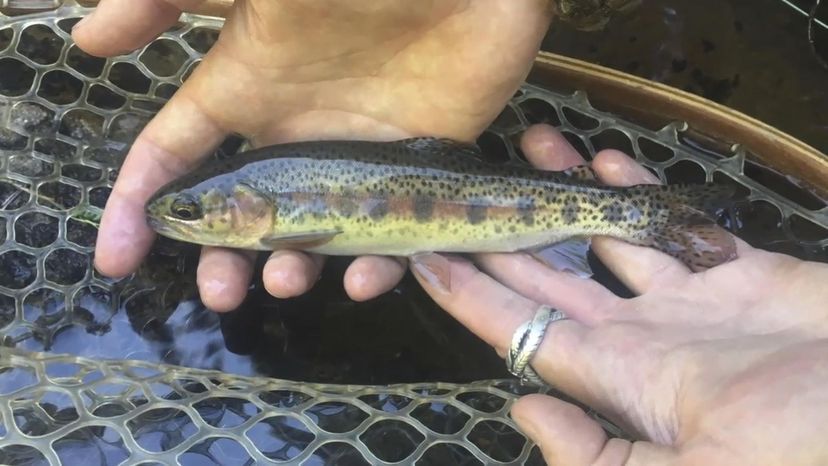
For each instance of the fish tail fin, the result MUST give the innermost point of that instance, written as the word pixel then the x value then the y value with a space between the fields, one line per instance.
pixel 686 226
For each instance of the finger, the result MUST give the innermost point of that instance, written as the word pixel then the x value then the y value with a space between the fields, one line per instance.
pixel 615 168
pixel 288 274
pixel 494 312
pixel 567 435
pixel 223 277
pixel 486 307
pixel 582 299
pixel 117 27
pixel 546 148
pixel 564 433
pixel 566 358
pixel 639 268
pixel 370 276
pixel 179 136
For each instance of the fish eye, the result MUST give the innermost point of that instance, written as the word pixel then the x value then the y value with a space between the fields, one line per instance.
pixel 185 208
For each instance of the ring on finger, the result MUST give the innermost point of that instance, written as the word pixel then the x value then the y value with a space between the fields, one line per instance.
pixel 525 342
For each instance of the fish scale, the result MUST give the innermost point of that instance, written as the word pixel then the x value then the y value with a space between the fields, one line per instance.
pixel 425 195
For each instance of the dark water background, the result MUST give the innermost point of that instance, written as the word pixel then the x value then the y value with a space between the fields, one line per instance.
pixel 751 55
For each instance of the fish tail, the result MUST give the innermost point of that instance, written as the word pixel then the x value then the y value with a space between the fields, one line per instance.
pixel 686 227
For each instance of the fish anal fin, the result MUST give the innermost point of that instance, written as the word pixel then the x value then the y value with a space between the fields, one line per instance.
pixel 301 241
pixel 566 256
pixel 442 146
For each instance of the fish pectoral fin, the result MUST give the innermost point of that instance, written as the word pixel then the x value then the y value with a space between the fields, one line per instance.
pixel 566 256
pixel 304 240
pixel 442 146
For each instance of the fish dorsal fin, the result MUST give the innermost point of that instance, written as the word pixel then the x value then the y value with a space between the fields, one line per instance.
pixel 442 146
pixel 581 173
pixel 303 240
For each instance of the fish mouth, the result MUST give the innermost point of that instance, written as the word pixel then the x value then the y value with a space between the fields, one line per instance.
pixel 155 223
pixel 167 229
pixel 159 226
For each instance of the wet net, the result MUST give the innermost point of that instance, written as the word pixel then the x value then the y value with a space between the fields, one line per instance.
pixel 77 411
pixel 79 387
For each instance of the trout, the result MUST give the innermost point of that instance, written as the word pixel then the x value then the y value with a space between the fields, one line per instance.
pixel 423 195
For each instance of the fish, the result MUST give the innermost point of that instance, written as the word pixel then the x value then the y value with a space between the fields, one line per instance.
pixel 427 195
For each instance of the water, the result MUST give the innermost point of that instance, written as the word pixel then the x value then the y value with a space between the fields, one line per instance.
pixel 729 51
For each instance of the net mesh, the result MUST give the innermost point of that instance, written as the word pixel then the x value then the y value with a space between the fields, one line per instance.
pixel 66 119
pixel 63 410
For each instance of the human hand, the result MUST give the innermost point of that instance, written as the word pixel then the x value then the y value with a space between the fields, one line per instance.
pixel 724 367
pixel 298 70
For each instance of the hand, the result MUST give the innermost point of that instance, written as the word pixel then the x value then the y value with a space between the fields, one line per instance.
pixel 724 367
pixel 297 70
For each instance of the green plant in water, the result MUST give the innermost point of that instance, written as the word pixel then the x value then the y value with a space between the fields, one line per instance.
pixel 87 214
pixel 90 215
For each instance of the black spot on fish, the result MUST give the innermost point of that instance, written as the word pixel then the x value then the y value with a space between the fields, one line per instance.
pixel 498 229
pixel 570 211
pixel 476 213
pixel 348 207
pixel 613 212
pixel 423 208
pixel 526 211
pixel 379 210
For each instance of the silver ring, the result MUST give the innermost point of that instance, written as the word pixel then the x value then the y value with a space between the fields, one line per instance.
pixel 525 342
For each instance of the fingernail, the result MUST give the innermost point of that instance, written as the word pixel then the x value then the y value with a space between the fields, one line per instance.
pixel 433 269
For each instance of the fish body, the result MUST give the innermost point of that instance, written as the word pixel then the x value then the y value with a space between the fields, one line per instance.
pixel 423 195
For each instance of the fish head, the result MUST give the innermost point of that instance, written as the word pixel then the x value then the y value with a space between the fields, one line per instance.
pixel 232 215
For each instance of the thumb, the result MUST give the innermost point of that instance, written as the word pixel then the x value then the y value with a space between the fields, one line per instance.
pixel 567 436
